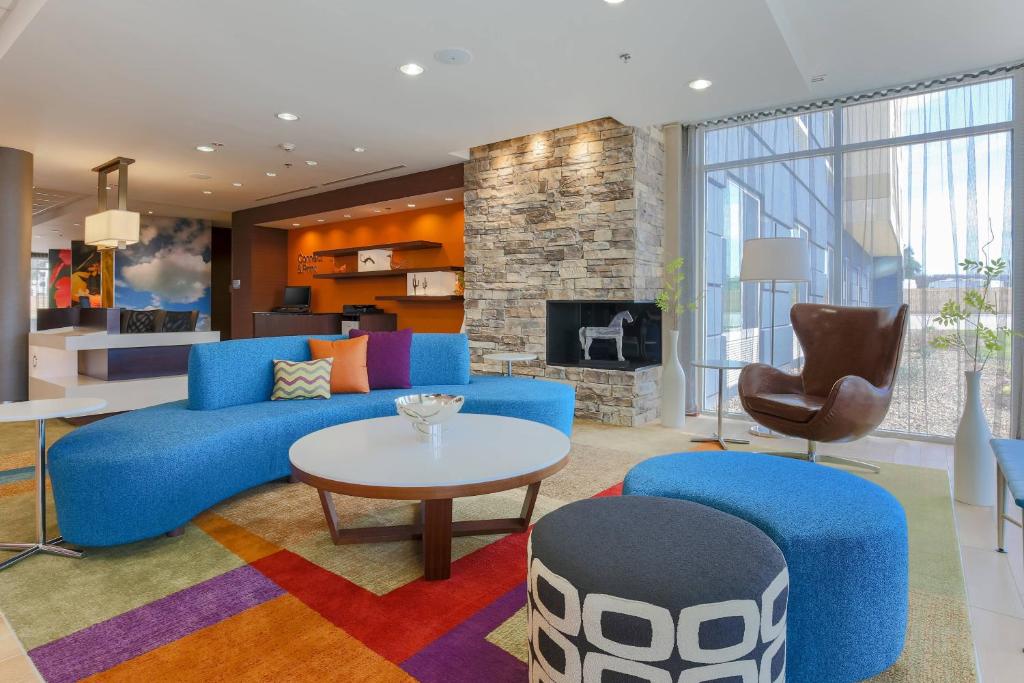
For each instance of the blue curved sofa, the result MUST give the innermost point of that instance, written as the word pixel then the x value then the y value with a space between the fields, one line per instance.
pixel 143 473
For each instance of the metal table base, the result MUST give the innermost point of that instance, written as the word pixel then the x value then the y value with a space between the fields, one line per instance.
pixel 717 436
pixel 41 545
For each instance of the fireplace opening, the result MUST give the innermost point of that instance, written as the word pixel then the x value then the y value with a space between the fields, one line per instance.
pixel 632 328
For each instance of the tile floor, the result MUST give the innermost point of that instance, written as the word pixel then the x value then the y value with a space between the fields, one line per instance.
pixel 995 583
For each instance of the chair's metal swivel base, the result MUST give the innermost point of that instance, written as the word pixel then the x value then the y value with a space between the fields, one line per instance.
pixel 812 455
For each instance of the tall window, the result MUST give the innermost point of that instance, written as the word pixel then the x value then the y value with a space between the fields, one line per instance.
pixel 925 183
pixel 40 275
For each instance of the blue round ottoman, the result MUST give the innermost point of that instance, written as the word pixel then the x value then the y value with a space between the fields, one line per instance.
pixel 845 543
pixel 656 590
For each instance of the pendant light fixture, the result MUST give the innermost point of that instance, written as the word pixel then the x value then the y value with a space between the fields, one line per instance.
pixel 111 229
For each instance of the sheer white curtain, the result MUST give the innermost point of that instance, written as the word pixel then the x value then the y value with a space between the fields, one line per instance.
pixel 892 194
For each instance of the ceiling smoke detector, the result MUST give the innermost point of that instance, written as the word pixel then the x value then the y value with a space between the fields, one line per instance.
pixel 453 56
pixel 287 146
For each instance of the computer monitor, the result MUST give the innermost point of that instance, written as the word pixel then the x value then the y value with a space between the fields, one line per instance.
pixel 296 296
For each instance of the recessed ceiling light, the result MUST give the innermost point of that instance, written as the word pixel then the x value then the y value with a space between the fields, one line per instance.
pixel 295 225
pixel 614 2
pixel 320 220
pixel 449 199
pixel 207 191
pixel 109 187
pixel 359 150
pixel 54 230
pixel 77 225
pixel 310 162
pixel 411 69
pixel 236 184
pixel 411 206
pixel 700 84
pixel 376 210
pixel 348 215
pixel 271 174
pixel 288 116
pixel 150 213
pixel 205 148
pixel 453 56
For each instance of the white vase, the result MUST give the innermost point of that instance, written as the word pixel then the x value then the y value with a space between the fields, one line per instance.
pixel 974 466
pixel 673 386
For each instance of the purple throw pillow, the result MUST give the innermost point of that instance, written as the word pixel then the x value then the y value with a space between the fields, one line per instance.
pixel 387 358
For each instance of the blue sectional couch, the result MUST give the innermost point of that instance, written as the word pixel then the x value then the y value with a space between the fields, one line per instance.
pixel 149 471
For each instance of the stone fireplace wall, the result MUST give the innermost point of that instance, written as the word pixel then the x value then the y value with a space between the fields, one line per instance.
pixel 573 213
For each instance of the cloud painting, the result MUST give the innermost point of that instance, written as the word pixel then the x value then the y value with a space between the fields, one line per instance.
pixel 168 268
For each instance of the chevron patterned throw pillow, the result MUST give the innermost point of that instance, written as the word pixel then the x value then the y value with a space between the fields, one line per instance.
pixel 302 379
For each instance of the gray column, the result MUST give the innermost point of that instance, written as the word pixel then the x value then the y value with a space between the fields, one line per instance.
pixel 15 264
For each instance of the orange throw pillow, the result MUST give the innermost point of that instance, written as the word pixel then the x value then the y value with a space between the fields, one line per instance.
pixel 348 373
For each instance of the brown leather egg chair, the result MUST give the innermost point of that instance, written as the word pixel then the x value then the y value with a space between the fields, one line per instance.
pixel 851 355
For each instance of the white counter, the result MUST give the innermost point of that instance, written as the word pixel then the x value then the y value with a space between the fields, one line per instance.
pixel 57 356
pixel 83 339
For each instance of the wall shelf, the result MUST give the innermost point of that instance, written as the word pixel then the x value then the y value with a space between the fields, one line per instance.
pixel 387 273
pixel 395 246
pixel 422 298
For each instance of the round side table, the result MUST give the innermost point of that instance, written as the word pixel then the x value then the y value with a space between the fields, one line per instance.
pixel 40 411
pixel 509 359
pixel 721 366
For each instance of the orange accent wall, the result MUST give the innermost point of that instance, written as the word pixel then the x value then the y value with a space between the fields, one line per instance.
pixel 442 224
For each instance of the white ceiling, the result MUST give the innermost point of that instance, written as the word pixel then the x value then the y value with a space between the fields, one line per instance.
pixel 82 82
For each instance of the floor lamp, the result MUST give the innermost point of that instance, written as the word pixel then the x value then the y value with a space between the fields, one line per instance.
pixel 774 259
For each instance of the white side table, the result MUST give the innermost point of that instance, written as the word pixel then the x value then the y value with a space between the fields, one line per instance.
pixel 509 359
pixel 721 366
pixel 40 411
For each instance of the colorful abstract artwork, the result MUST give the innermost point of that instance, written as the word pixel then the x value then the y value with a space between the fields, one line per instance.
pixel 168 268
pixel 85 273
pixel 58 287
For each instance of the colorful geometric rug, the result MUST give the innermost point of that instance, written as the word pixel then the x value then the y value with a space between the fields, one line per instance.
pixel 255 590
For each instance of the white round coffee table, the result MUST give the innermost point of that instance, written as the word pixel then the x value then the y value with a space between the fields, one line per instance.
pixel 509 359
pixel 472 455
pixel 39 412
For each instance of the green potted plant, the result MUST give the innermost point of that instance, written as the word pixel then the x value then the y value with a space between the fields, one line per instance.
pixel 973 463
pixel 673 379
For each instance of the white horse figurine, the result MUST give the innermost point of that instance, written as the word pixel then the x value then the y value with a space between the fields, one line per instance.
pixel 613 331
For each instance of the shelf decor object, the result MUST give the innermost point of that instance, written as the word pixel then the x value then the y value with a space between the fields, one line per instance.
pixel 369 260
pixel 111 229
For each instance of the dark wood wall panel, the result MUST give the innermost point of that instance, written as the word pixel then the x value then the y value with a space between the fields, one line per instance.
pixel 220 282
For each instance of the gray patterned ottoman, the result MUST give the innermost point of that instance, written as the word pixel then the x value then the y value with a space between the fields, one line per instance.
pixel 654 589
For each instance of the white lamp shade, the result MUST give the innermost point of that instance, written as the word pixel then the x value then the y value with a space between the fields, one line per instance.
pixel 114 228
pixel 784 259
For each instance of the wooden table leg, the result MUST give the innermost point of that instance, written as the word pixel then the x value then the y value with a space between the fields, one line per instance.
pixel 437 539
pixel 528 503
pixel 330 514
